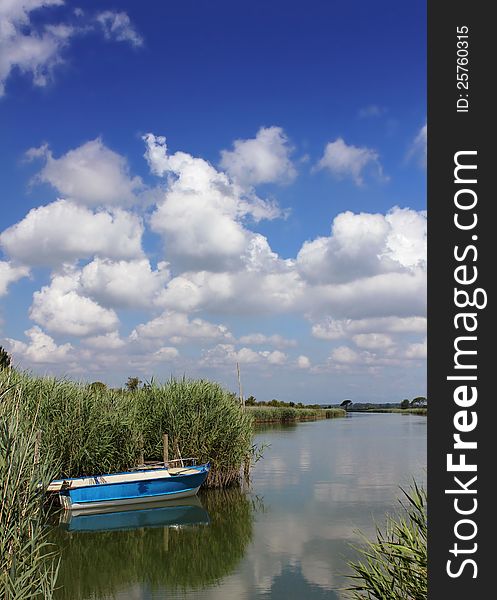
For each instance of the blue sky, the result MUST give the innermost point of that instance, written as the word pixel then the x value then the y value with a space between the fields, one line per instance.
pixel 124 253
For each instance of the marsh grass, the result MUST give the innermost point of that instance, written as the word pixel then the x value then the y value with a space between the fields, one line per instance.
pixel 93 430
pixel 394 566
pixel 28 565
pixel 284 414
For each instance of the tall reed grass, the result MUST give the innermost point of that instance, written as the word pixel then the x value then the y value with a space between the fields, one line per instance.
pixel 28 566
pixel 394 566
pixel 93 430
pixel 288 414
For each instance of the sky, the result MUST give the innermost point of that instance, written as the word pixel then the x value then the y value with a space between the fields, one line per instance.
pixel 189 185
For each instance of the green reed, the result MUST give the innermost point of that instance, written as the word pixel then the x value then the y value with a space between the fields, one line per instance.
pixel 28 566
pixel 284 414
pixel 394 566
pixel 93 430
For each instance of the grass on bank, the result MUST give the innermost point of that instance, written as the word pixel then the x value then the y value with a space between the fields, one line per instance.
pixel 95 430
pixel 274 414
pixel 394 566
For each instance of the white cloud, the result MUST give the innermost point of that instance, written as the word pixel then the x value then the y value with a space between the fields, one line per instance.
pixel 202 212
pixel 273 340
pixel 9 274
pixel 333 329
pixel 263 159
pixel 37 50
pixel 418 148
pixel 128 284
pixel 41 348
pixel 63 232
pixel 276 357
pixel 61 309
pixel 344 355
pixel 364 245
pixel 303 362
pixel 91 175
pixel 109 341
pixel 118 27
pixel 226 355
pixel 416 351
pixel 179 328
pixel 344 161
pixel 373 341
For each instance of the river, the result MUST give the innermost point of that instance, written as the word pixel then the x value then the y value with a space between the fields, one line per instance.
pixel 287 537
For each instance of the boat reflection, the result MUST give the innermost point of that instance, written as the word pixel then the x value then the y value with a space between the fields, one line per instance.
pixel 115 553
pixel 166 513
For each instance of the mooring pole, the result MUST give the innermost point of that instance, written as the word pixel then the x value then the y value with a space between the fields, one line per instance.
pixel 242 401
pixel 165 443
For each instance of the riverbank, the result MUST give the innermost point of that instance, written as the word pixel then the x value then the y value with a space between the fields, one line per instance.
pixel 277 414
pixel 403 411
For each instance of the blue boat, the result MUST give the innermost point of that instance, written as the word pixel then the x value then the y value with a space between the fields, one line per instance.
pixel 167 513
pixel 130 487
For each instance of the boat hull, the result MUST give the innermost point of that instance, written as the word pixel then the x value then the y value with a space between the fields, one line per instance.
pixel 135 491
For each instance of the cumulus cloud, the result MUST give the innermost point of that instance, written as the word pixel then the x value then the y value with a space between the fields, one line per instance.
pixel 365 245
pixel 124 284
pixel 373 341
pixel 61 309
pixel 179 328
pixel 263 159
pixel 202 212
pixel 333 329
pixel 37 50
pixel 62 232
pixel 345 161
pixel 91 175
pixel 9 274
pixel 303 362
pixel 226 355
pixel 418 148
pixel 41 348
pixel 108 341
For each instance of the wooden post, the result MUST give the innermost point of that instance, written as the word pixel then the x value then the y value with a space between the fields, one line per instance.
pixel 37 447
pixel 165 442
pixel 142 456
pixel 242 401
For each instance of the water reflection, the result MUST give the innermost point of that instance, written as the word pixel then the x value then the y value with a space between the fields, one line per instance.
pixel 320 482
pixel 185 546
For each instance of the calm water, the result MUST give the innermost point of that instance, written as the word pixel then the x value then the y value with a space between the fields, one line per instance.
pixel 286 538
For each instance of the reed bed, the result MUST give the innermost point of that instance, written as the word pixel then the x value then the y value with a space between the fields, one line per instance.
pixel 94 430
pixel 394 566
pixel 283 414
pixel 28 566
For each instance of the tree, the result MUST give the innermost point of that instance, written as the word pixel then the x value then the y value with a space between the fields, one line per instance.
pixel 133 384
pixel 250 401
pixel 97 386
pixel 404 404
pixel 5 359
pixel 345 404
pixel 418 401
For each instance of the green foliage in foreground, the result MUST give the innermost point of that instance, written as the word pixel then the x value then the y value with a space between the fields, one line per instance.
pixel 271 414
pixel 27 564
pixel 92 429
pixel 394 567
